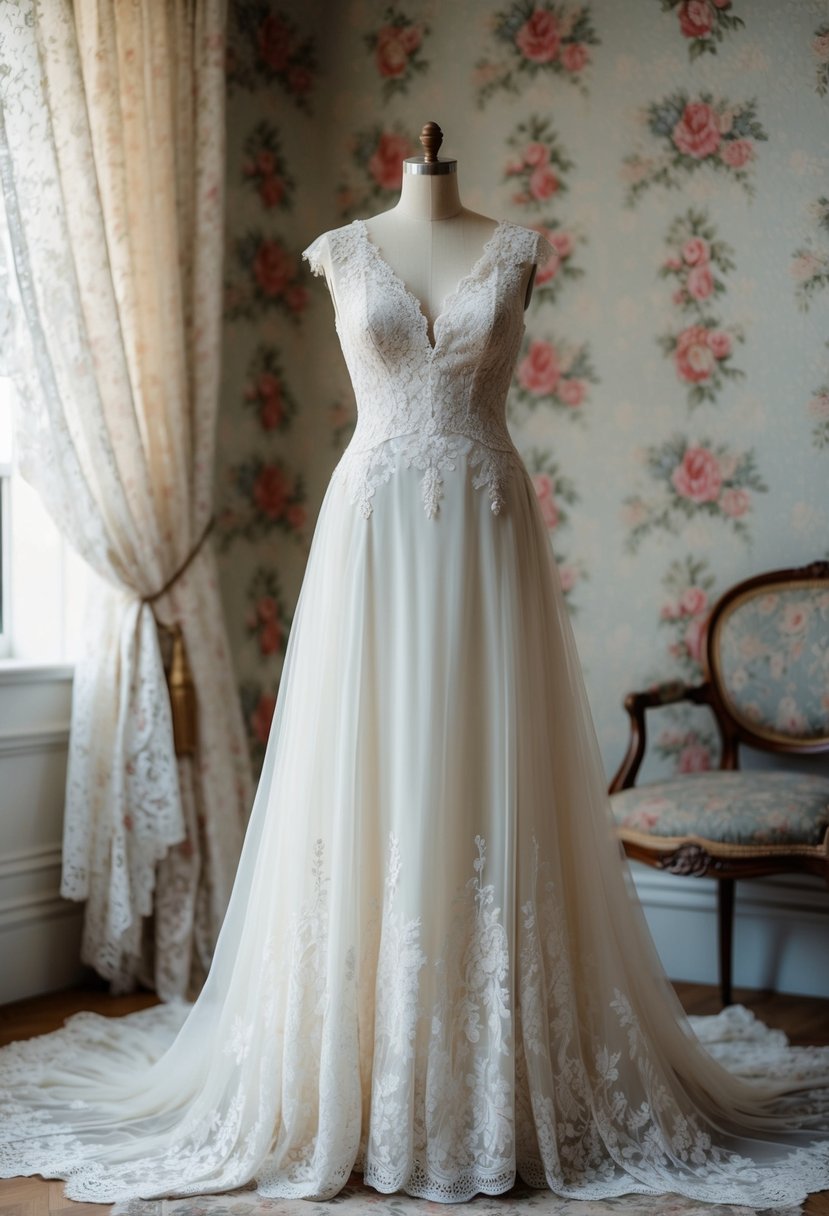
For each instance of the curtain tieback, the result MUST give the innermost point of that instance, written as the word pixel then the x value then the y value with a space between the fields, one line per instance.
pixel 180 684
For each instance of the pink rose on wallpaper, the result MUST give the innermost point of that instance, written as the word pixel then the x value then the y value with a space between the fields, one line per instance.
pixel 720 343
pixel 394 46
pixel 697 133
pixel 679 296
pixel 539 371
pixel 562 242
pixel 260 719
pixel 271 491
pixel 805 266
pixel 574 56
pixel 693 356
pixel 274 43
pixel 539 38
pixel 695 18
pixel 268 385
pixel 571 392
pixel 296 297
pixel 271 408
pixel 693 601
pixel 819 406
pixel 271 413
pixel 673 264
pixel 273 268
pixel 568 577
pixel 543 182
pixel 270 637
pixel 694 758
pixel 700 282
pixel 698 477
pixel 544 491
pixel 737 152
pixel 693 638
pixel 386 163
pixel 271 190
pixel 296 516
pixel 535 154
pixel 267 609
pixel 695 251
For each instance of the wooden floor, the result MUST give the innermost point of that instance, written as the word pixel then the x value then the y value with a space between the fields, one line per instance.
pixel 804 1019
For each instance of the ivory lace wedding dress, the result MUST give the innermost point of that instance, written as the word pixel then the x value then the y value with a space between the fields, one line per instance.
pixel 433 969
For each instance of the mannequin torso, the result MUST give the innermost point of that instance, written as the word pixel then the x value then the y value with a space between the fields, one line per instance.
pixel 430 240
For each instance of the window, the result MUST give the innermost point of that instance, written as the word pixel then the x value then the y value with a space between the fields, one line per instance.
pixel 43 582
pixel 5 496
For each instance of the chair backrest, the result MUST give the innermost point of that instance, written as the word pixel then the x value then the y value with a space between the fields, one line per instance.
pixel 767 657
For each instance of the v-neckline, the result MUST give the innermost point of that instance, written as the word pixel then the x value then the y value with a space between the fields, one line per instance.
pixel 448 300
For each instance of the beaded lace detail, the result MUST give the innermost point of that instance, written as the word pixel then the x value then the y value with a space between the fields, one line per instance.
pixel 423 404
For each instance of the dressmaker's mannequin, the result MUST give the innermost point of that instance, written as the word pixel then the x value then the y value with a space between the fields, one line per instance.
pixel 429 238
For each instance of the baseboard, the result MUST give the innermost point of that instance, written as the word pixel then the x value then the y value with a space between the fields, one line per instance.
pixel 781 930
pixel 40 931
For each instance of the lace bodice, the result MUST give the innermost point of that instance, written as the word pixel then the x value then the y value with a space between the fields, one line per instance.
pixel 420 402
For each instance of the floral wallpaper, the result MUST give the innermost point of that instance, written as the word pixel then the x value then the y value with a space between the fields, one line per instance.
pixel 672 398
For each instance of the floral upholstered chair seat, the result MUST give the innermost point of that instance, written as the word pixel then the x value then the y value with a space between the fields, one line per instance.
pixel 737 809
pixel 766 664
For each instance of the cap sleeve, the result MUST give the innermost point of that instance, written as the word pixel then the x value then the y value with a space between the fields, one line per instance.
pixel 313 253
pixel 541 250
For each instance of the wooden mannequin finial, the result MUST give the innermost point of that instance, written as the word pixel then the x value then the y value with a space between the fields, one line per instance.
pixel 431 137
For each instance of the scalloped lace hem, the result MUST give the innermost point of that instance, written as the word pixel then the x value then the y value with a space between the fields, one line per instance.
pixel 784 1187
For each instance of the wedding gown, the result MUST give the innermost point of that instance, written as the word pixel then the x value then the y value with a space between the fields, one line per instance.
pixel 433 968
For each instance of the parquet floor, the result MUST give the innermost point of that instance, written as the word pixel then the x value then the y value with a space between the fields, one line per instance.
pixel 804 1019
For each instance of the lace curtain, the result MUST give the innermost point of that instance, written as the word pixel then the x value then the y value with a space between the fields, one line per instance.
pixel 112 163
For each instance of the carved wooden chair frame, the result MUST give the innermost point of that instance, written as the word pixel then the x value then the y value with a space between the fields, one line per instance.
pixel 696 855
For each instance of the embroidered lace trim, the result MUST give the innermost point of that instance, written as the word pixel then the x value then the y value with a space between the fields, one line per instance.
pixel 501 1074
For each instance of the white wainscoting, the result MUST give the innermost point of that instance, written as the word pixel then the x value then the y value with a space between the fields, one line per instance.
pixel 781 929
pixel 39 931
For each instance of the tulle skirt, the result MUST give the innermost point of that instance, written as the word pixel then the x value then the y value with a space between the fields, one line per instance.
pixel 433 969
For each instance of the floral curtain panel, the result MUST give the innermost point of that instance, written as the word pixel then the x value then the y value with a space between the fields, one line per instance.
pixel 112 162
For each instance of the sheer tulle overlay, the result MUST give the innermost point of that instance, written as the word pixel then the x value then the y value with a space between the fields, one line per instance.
pixel 433 968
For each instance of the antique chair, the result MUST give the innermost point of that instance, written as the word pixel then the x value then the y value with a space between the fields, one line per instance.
pixel 766 666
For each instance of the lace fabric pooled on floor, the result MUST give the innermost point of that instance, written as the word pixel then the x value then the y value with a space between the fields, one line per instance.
pixel 434 969
pixel 735 1037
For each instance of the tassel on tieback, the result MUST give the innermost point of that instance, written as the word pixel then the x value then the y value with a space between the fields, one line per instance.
pixel 180 686
pixel 182 692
